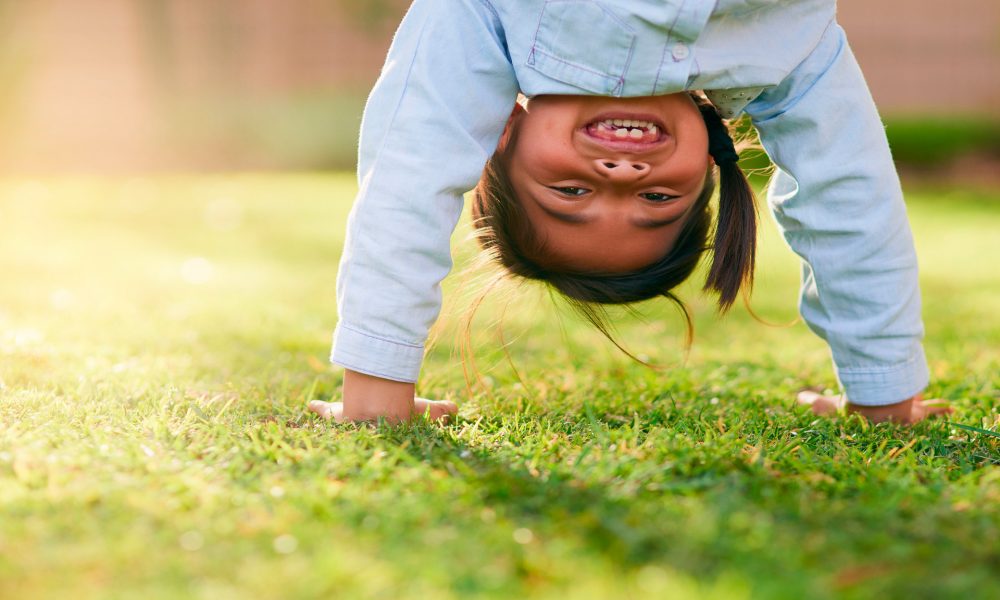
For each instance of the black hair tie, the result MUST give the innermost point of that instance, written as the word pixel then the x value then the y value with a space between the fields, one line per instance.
pixel 720 144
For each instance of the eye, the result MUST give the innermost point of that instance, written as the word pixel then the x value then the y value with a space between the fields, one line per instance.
pixel 657 197
pixel 571 191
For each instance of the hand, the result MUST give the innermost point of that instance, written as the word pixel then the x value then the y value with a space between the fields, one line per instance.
pixel 909 411
pixel 368 398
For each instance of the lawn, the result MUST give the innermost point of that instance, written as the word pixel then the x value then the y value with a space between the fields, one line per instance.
pixel 160 338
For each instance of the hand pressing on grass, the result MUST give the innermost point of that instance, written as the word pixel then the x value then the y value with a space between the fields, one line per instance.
pixel 909 411
pixel 368 398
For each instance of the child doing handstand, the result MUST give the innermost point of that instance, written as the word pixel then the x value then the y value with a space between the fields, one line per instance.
pixel 600 183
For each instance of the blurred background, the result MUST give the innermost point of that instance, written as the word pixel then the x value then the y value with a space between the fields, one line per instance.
pixel 125 86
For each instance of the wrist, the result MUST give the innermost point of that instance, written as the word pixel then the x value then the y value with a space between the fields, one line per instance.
pixel 366 397
pixel 898 411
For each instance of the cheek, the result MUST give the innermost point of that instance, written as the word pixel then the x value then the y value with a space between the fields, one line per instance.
pixel 696 167
pixel 694 160
pixel 540 154
pixel 689 170
pixel 693 139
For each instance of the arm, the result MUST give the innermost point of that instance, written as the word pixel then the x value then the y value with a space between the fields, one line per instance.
pixel 433 118
pixel 838 202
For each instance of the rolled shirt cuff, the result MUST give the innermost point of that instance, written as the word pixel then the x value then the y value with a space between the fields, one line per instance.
pixel 377 356
pixel 878 386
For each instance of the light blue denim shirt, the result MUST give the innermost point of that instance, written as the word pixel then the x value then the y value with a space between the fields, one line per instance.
pixel 450 81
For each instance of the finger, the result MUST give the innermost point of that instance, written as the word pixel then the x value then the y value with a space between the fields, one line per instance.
pixel 923 411
pixel 820 404
pixel 937 407
pixel 437 410
pixel 328 410
pixel 807 397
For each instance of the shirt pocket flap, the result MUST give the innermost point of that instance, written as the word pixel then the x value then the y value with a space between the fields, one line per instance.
pixel 582 43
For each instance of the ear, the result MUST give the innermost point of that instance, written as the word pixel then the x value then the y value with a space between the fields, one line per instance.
pixel 508 128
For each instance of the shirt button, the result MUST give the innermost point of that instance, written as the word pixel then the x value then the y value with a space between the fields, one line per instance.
pixel 680 51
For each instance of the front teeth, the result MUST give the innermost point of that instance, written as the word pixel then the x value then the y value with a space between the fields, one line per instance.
pixel 627 123
pixel 631 128
pixel 635 134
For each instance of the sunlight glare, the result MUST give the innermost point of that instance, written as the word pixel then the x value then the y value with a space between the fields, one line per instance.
pixel 62 299
pixel 223 214
pixel 136 194
pixel 197 271
pixel 30 193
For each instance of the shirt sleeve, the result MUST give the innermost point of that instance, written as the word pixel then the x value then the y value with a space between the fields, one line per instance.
pixel 432 120
pixel 837 199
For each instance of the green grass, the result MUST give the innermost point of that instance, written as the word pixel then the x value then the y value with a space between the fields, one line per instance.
pixel 314 130
pixel 922 142
pixel 159 340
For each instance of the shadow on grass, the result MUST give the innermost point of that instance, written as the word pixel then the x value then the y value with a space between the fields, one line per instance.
pixel 626 528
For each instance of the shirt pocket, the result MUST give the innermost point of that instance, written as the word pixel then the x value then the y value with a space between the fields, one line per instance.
pixel 582 43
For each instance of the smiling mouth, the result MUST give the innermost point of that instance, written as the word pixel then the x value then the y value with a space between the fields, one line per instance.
pixel 629 134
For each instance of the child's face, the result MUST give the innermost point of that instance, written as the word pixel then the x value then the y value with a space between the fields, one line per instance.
pixel 604 197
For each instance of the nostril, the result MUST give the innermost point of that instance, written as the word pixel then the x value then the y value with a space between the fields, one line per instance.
pixel 610 165
pixel 639 167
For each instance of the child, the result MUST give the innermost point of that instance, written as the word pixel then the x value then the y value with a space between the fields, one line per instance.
pixel 600 183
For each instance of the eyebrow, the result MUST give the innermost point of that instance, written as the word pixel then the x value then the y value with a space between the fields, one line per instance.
pixel 642 223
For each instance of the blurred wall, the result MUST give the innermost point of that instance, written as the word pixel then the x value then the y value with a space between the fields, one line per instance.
pixel 928 57
pixel 118 85
pixel 123 85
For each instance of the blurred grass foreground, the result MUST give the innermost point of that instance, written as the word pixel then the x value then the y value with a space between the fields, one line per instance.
pixel 160 338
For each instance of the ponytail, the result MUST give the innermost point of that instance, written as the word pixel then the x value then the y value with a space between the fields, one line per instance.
pixel 735 246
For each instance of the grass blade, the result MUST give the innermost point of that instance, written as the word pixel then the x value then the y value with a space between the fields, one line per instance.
pixel 975 429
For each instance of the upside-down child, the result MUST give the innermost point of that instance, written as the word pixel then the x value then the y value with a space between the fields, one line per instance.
pixel 599 181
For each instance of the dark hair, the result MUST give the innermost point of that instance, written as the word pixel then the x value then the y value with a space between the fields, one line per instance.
pixel 505 232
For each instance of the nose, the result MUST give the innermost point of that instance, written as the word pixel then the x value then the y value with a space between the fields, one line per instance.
pixel 623 171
